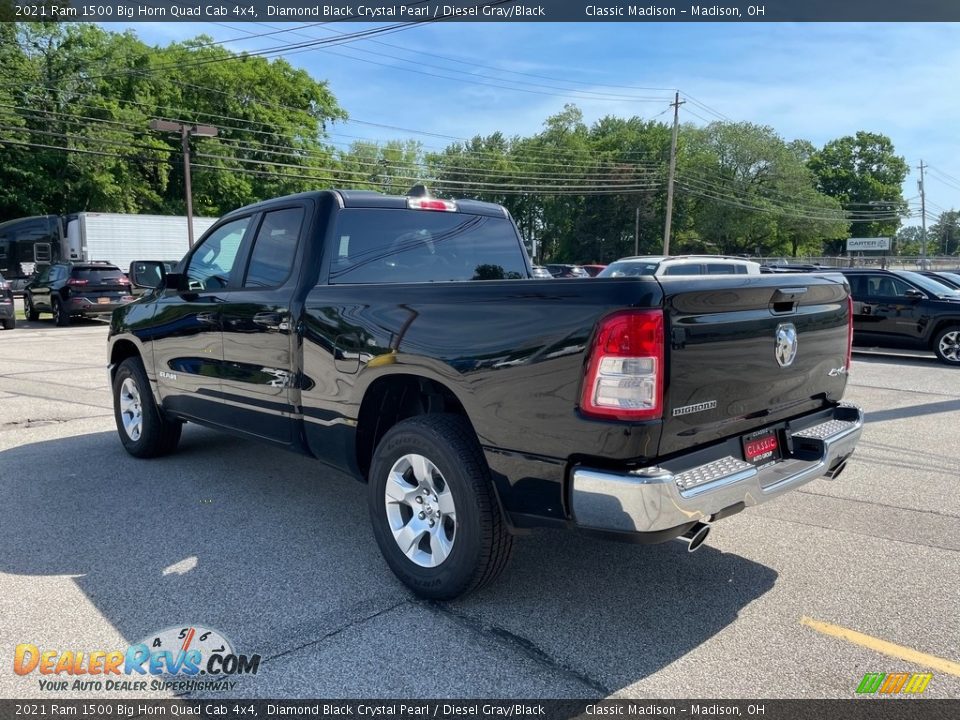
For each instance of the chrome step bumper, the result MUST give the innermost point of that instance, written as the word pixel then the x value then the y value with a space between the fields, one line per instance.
pixel 655 499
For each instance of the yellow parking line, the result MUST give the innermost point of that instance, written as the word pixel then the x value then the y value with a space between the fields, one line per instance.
pixel 882 646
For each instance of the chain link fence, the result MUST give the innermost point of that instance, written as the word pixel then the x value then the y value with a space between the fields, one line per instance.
pixel 891 262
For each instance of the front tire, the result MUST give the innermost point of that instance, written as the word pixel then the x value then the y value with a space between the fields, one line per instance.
pixel 9 323
pixel 434 513
pixel 144 430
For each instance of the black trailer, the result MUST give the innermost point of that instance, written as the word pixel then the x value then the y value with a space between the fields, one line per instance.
pixel 28 245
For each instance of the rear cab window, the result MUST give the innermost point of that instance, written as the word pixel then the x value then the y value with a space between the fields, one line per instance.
pixel 412 246
pixel 97 274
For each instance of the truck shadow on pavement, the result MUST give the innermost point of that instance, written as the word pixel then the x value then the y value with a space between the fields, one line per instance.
pixel 275 551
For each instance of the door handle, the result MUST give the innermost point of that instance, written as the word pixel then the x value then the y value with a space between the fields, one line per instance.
pixel 207 318
pixel 271 321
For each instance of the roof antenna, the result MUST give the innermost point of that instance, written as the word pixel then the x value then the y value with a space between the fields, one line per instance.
pixel 418 190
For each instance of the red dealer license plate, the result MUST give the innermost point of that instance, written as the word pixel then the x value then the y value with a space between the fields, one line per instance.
pixel 761 447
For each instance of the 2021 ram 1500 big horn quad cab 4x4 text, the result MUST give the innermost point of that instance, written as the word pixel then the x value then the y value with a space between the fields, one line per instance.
pixel 401 339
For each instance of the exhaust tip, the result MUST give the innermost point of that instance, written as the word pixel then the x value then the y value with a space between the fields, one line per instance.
pixel 696 536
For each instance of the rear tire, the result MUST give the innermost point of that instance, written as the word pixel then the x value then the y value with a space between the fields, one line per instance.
pixel 60 315
pixel 947 345
pixel 9 323
pixel 430 469
pixel 29 311
pixel 144 430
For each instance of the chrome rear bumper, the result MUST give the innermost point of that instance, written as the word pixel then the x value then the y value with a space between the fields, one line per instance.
pixel 655 499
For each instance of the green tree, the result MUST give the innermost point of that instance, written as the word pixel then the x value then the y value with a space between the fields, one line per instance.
pixel 865 174
pixel 392 167
pixel 943 237
pixel 752 192
pixel 82 98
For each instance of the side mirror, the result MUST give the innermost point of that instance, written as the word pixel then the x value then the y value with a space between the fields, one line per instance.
pixel 147 274
pixel 914 294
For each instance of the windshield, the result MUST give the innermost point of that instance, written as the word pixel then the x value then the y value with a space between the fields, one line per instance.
pixel 930 285
pixel 950 276
pixel 632 268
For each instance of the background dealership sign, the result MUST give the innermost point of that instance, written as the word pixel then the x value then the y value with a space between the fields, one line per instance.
pixel 857 244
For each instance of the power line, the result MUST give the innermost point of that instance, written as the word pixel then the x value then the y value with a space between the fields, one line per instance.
pixel 625 187
pixel 473 63
pixel 489 191
pixel 611 168
pixel 734 201
pixel 179 114
pixel 459 78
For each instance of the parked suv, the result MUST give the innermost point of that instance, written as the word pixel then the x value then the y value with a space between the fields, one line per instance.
pixel 662 266
pixel 8 317
pixel 76 290
pixel 904 309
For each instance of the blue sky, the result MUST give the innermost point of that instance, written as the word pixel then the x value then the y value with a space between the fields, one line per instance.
pixel 816 81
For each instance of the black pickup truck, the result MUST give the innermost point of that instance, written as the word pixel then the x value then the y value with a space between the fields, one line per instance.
pixel 401 339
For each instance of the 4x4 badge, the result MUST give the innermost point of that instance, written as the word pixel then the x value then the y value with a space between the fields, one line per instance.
pixel 786 344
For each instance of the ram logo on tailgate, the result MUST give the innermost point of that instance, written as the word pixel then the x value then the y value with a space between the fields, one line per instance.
pixel 786 344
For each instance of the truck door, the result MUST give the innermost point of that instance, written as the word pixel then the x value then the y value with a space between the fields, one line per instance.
pixel 186 339
pixel 259 374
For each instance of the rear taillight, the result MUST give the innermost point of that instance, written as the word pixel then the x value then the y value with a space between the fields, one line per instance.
pixel 76 281
pixel 849 331
pixel 123 280
pixel 624 377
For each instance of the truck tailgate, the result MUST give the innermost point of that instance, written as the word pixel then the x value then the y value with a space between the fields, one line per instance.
pixel 725 375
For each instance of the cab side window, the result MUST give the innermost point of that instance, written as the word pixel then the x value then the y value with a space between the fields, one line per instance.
pixel 885 286
pixel 689 269
pixel 212 262
pixel 275 248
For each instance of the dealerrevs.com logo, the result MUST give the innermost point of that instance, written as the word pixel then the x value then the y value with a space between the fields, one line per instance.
pixel 181 659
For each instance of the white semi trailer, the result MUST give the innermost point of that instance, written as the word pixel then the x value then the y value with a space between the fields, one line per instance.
pixel 121 239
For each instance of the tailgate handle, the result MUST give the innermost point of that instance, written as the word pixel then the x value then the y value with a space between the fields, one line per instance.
pixel 785 300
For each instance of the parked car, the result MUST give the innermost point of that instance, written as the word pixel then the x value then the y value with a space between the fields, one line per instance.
pixel 475 405
pixel 950 279
pixel 68 290
pixel 8 316
pixel 567 271
pixel 539 271
pixel 905 309
pixel 593 270
pixel 662 266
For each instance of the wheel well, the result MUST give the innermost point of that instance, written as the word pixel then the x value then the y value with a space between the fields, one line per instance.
pixel 394 398
pixel 122 349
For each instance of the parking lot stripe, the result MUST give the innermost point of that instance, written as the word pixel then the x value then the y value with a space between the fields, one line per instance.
pixel 882 646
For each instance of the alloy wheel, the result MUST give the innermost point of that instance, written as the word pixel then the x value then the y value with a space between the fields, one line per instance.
pixel 420 510
pixel 131 411
pixel 950 346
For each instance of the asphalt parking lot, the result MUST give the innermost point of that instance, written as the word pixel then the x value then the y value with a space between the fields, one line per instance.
pixel 99 550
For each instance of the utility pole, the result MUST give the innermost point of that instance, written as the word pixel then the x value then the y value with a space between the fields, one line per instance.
pixel 923 221
pixel 636 233
pixel 677 102
pixel 185 130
